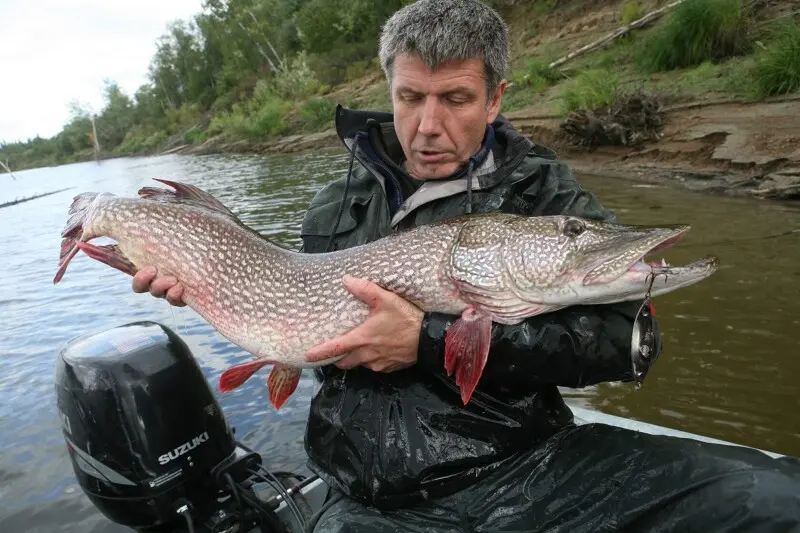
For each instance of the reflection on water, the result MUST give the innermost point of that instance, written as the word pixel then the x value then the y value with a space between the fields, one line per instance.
pixel 728 367
pixel 731 354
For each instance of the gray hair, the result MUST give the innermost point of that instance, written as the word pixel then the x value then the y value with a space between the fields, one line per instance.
pixel 440 31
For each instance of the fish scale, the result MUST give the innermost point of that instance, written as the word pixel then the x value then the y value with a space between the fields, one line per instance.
pixel 280 283
pixel 277 303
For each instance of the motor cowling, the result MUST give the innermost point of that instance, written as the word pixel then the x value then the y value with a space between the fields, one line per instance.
pixel 143 429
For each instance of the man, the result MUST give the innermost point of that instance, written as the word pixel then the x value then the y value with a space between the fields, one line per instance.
pixel 388 431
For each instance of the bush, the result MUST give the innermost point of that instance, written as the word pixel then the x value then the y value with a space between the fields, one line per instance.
pixel 255 120
pixel 698 30
pixel 317 114
pixel 182 117
pixel 297 81
pixel 591 89
pixel 631 11
pixel 269 119
pixel 633 118
pixel 139 141
pixel 195 136
pixel 777 68
pixel 536 75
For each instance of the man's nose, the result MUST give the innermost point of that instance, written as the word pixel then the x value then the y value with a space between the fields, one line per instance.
pixel 430 123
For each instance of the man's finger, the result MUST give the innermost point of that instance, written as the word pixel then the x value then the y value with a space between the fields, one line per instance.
pixel 348 362
pixel 160 286
pixel 381 366
pixel 175 295
pixel 335 347
pixel 141 281
pixel 364 290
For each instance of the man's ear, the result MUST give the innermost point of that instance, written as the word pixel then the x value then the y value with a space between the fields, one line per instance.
pixel 495 101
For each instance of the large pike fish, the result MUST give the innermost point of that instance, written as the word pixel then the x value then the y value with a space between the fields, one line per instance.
pixel 276 303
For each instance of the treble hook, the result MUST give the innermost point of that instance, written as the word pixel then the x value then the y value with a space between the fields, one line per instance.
pixel 652 276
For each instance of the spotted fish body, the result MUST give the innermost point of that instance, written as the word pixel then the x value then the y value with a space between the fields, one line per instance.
pixel 276 303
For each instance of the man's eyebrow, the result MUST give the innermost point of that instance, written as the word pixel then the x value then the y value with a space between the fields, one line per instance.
pixel 408 89
pixel 468 91
pixel 458 90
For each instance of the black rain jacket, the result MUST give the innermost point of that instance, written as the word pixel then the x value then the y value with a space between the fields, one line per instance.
pixel 393 439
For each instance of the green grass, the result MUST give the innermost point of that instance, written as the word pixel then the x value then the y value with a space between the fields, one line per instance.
pixel 536 75
pixel 255 121
pixel 139 140
pixel 195 136
pixel 630 11
pixel 317 114
pixel 776 68
pixel 591 89
pixel 697 31
pixel 528 82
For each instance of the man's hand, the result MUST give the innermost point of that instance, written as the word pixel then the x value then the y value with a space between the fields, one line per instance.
pixel 161 287
pixel 385 342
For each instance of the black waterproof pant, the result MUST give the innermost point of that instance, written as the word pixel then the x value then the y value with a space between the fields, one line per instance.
pixel 600 478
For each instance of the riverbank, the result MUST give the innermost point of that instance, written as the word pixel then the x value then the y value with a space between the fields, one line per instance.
pixel 727 147
pixel 708 127
pixel 735 148
pixel 676 91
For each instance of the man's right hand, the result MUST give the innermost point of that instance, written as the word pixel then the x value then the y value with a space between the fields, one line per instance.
pixel 148 280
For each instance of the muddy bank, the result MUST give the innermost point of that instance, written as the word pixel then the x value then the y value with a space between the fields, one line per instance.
pixel 725 147
pixel 735 148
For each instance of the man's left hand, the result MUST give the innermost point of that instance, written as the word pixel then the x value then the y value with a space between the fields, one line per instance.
pixel 385 342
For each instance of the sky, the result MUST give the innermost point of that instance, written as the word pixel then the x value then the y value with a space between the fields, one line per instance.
pixel 53 52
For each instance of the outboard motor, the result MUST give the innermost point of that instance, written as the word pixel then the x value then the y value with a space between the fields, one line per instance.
pixel 148 442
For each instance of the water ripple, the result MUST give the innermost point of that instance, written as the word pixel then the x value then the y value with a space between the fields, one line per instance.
pixel 728 368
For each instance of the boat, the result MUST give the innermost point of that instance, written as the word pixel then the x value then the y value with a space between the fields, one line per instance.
pixel 150 446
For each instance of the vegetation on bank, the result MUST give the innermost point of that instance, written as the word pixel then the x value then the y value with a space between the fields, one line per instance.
pixel 253 70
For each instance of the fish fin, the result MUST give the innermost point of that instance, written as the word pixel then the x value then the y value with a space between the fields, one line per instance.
pixel 184 193
pixel 282 382
pixel 109 254
pixel 73 230
pixel 467 345
pixel 236 375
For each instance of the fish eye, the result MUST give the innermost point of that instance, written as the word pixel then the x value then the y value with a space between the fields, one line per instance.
pixel 573 227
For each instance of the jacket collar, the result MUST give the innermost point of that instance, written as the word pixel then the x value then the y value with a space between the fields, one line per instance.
pixel 371 138
pixel 509 147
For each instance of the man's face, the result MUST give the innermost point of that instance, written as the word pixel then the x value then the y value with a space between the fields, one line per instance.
pixel 441 116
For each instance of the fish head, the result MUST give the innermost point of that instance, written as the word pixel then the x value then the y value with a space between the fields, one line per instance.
pixel 563 260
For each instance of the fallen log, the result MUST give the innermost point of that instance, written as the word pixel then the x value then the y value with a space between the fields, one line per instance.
pixel 29 198
pixel 5 166
pixel 638 23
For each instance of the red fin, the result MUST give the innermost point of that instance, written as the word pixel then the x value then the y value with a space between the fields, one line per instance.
pixel 467 343
pixel 236 375
pixel 67 253
pixel 184 194
pixel 282 383
pixel 109 254
pixel 73 230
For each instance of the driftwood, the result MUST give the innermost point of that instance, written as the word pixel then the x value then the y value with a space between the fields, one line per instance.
pixel 633 119
pixel 752 7
pixel 638 23
pixel 5 166
pixel 29 198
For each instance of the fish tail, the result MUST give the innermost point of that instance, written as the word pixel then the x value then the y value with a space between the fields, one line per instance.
pixel 73 232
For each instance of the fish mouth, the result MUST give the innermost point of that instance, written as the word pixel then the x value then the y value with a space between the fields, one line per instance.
pixel 685 274
pixel 648 243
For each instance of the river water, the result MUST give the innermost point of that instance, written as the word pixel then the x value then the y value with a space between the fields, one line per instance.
pixel 728 370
